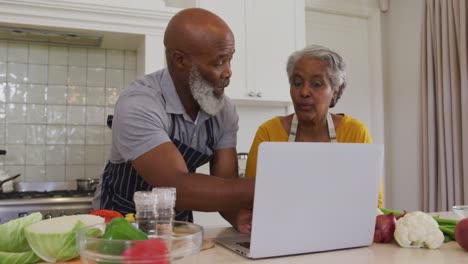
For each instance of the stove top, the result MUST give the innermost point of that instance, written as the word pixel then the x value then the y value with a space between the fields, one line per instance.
pixel 48 194
pixel 49 203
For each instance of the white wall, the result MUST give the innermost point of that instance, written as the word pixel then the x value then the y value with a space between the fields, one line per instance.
pixel 401 40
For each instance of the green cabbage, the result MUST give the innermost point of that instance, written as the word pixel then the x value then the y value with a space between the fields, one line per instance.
pixel 54 239
pixel 12 238
pixel 27 257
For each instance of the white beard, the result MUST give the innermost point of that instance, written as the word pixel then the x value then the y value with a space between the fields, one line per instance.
pixel 202 92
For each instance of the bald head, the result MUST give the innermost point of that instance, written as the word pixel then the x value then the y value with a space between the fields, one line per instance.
pixel 194 30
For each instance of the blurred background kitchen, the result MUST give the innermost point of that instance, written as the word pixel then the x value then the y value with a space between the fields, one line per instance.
pixel 64 62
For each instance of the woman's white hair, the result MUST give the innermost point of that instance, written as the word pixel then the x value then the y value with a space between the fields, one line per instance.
pixel 335 64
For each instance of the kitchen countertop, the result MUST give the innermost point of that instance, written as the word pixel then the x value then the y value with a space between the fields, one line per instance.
pixel 449 253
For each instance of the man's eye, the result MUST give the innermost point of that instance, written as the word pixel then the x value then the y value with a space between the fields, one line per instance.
pixel 222 62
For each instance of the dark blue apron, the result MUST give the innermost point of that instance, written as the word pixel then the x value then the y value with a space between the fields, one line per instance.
pixel 121 181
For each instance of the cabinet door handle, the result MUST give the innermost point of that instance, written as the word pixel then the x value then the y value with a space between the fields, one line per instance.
pixel 259 94
pixel 251 94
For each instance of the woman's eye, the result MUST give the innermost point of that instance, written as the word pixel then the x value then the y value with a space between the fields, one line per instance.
pixel 316 84
pixel 297 83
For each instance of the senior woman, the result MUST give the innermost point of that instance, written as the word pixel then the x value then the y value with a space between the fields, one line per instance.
pixel 317 80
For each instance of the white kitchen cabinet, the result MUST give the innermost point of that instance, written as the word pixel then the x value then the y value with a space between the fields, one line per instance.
pixel 266 33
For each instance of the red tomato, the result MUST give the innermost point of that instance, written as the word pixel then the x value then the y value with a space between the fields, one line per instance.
pixel 106 214
pixel 153 251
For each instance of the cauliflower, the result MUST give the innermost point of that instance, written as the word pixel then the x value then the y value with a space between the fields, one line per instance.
pixel 418 229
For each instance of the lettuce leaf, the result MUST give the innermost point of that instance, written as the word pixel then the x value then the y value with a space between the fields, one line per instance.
pixel 12 238
pixel 27 257
pixel 54 239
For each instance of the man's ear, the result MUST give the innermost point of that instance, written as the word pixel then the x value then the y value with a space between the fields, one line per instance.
pixel 179 59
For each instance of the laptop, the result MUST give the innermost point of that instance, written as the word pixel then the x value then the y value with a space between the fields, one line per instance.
pixel 312 197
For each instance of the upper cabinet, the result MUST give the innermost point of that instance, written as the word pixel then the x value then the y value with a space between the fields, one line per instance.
pixel 266 33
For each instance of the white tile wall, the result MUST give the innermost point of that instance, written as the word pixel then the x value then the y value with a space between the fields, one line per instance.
pixel 54 101
pixel 36 93
pixel 38 54
pixel 2 91
pixel 34 173
pixel 3 67
pixel 17 72
pixel 36 114
pixel 3 51
pixel 17 52
pixel 37 73
pixel 76 135
pixel 58 55
pixel 76 57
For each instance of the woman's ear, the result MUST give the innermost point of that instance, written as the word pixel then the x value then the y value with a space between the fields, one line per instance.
pixel 333 100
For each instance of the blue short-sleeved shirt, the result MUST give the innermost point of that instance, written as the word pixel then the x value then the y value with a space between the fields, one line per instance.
pixel 142 120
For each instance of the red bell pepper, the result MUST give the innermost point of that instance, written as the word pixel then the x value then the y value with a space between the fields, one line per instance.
pixel 106 214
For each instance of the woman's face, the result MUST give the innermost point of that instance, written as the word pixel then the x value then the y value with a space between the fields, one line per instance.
pixel 311 90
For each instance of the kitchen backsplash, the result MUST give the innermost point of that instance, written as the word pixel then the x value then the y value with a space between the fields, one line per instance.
pixel 54 101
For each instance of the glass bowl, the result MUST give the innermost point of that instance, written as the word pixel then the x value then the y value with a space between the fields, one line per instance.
pixel 186 239
pixel 460 210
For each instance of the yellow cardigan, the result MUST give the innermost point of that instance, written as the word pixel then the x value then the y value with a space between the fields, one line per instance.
pixel 350 130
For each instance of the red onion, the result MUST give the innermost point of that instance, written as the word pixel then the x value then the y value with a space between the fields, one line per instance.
pixel 461 233
pixel 384 228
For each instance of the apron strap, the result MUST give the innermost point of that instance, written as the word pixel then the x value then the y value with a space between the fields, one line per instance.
pixel 331 129
pixel 292 133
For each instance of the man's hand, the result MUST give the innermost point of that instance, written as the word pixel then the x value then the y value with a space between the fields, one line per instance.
pixel 244 221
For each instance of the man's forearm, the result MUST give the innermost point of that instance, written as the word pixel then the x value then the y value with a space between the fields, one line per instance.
pixel 207 193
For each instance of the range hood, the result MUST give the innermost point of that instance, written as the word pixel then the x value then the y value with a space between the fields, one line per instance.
pixel 50 37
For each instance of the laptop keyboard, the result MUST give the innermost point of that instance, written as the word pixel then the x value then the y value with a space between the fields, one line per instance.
pixel 244 244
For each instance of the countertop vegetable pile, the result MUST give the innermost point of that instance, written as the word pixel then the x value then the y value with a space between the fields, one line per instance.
pixel 14 247
pixel 414 229
pixel 30 239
